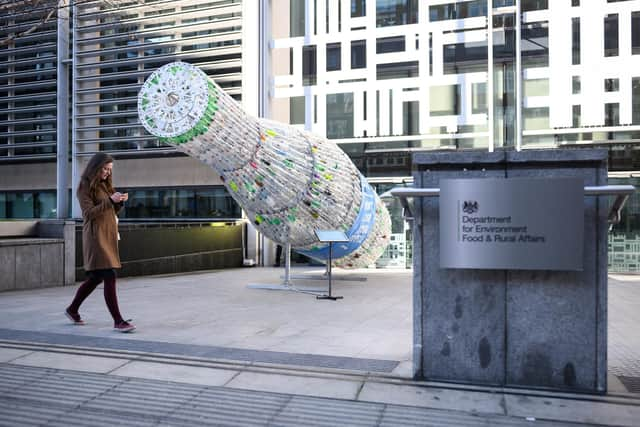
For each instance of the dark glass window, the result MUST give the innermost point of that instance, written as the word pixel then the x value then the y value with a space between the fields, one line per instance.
pixel 576 116
pixel 611 35
pixel 296 18
pixel 530 5
pixel 535 45
pixel 635 33
pixel 612 114
pixel 397 70
pixel 575 3
pixel 334 61
pixel 396 12
pixel 461 10
pixel 575 41
pixel 25 205
pixel 611 85
pixel 358 54
pixel 575 85
pixel 309 71
pixel 410 117
pixel 390 44
pixel 358 8
pixel 340 115
pixel 211 202
pixel 296 110
pixel 635 100
pixel 467 57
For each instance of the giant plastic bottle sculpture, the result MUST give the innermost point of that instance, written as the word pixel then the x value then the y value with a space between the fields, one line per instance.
pixel 288 181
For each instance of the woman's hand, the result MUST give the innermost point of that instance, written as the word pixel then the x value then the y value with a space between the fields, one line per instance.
pixel 118 197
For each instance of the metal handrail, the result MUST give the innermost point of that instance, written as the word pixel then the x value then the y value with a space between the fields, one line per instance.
pixel 622 193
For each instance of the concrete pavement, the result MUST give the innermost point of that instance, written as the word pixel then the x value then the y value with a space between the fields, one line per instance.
pixel 208 333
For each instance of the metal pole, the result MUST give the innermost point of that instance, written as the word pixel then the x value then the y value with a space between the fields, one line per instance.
pixel 518 77
pixel 490 95
pixel 287 264
pixel 329 264
pixel 62 117
pixel 75 172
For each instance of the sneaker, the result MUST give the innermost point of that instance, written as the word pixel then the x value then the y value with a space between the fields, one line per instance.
pixel 124 326
pixel 75 318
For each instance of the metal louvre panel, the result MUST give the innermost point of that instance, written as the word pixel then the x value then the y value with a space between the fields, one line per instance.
pixel 176 42
pixel 147 20
pixel 160 31
pixel 28 81
pixel 117 48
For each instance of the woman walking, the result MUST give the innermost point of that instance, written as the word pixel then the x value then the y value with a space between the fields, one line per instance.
pixel 100 203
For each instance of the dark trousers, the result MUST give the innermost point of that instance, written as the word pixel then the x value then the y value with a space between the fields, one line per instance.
pixel 89 285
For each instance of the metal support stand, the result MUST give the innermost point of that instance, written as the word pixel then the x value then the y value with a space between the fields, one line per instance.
pixel 331 297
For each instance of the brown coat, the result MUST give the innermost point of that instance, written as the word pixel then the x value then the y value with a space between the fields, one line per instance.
pixel 99 229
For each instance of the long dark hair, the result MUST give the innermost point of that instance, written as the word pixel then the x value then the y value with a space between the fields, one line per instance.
pixel 91 176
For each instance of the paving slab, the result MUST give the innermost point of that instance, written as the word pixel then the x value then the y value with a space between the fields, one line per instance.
pixel 437 398
pixel 8 354
pixel 177 373
pixel 298 384
pixel 578 411
pixel 73 362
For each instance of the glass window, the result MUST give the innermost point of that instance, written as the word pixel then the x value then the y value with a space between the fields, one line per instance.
pixel 397 70
pixel 296 18
pixel 575 41
pixel 575 85
pixel 45 204
pixel 535 45
pixel 611 35
pixel 340 115
pixel 390 44
pixel 466 57
pixel 216 203
pixel 460 10
pixel 358 54
pixel 396 12
pixel 296 110
pixel 530 5
pixel 611 85
pixel 20 205
pixel 535 118
pixel 576 116
pixel 635 33
pixel 535 87
pixel 358 8
pixel 212 202
pixel 478 98
pixel 444 100
pixel 611 114
pixel 575 3
pixel 411 117
pixel 309 73
pixel 635 100
pixel 333 57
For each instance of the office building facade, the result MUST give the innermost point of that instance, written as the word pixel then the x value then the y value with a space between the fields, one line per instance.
pixel 381 78
pixel 389 77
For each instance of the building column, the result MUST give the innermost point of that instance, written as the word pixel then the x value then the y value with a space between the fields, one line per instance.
pixel 62 117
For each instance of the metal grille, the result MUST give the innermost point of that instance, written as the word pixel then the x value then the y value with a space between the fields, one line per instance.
pixel 38 396
pixel 118 44
pixel 28 60
pixel 202 351
pixel 631 383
